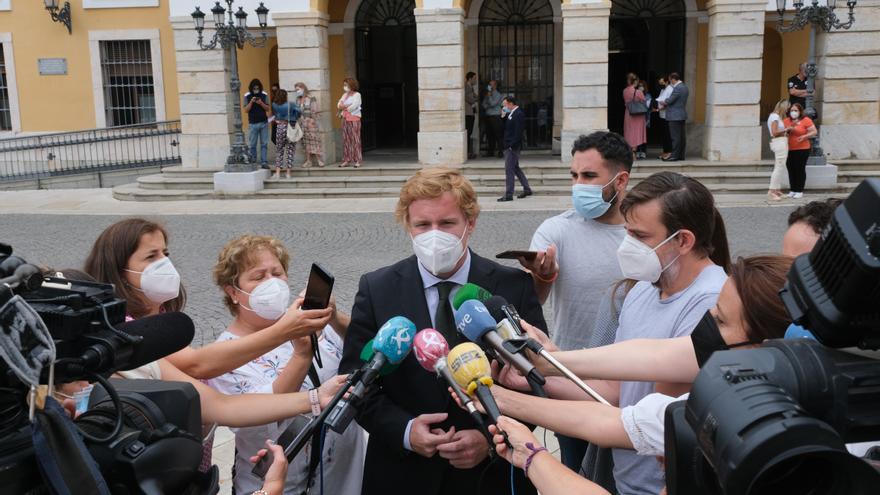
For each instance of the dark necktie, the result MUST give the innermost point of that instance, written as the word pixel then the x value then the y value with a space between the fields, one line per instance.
pixel 444 321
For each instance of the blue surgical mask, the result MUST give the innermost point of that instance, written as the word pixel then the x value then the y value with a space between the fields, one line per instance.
pixel 505 110
pixel 588 200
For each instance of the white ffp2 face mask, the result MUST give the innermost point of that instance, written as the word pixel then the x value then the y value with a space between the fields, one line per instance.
pixel 639 261
pixel 269 300
pixel 160 281
pixel 438 251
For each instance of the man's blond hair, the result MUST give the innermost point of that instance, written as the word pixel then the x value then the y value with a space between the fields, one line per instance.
pixel 431 183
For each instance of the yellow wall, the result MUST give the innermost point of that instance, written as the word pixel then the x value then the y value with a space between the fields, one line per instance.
pixel 337 73
pixel 699 84
pixel 337 10
pixel 59 103
pixel 254 62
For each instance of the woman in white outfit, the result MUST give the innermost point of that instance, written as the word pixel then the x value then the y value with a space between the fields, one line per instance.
pixel 252 272
pixel 779 146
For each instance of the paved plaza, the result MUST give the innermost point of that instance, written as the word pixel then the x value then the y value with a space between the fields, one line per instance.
pixel 347 244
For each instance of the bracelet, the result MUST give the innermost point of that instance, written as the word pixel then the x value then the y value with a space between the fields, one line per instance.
pixel 315 402
pixel 535 451
pixel 547 280
pixel 261 492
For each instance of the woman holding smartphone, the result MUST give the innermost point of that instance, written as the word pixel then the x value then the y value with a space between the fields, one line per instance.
pixel 252 273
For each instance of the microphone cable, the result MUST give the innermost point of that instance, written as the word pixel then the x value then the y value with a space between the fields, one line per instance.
pixel 512 487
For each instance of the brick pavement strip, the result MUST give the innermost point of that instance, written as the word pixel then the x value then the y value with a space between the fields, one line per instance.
pixel 349 245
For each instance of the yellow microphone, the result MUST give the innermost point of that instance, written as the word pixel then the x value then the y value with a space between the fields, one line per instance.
pixel 470 369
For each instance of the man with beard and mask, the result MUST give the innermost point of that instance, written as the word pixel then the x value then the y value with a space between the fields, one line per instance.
pixel 419 440
pixel 576 261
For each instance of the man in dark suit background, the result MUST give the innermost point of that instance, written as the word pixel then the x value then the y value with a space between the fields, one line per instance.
pixel 676 115
pixel 514 125
pixel 420 441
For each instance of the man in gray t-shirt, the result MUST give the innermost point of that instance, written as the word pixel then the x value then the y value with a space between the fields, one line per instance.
pixel 675 246
pixel 577 262
pixel 648 315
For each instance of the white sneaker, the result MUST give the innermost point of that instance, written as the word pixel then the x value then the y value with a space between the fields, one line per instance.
pixel 790 194
pixel 797 195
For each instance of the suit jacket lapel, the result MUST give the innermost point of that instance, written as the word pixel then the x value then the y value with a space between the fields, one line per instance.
pixel 481 273
pixel 411 298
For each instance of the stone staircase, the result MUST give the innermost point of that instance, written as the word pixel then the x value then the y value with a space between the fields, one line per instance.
pixel 548 177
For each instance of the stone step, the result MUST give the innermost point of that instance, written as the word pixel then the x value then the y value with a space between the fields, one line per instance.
pixel 355 180
pixel 131 192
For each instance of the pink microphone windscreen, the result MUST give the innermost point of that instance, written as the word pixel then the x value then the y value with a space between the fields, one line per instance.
pixel 430 346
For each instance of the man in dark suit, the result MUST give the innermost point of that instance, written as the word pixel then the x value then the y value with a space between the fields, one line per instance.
pixel 676 115
pixel 515 121
pixel 420 441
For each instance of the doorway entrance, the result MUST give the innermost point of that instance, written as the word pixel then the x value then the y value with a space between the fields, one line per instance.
pixel 516 42
pixel 646 37
pixel 387 70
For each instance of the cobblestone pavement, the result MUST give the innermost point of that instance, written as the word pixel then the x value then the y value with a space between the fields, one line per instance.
pixel 347 244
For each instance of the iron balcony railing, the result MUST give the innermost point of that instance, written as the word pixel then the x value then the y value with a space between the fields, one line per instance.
pixel 111 148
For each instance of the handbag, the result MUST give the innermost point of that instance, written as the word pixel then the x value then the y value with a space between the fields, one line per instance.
pixel 636 107
pixel 295 131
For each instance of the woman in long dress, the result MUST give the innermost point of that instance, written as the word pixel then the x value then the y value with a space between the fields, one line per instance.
pixel 311 139
pixel 633 125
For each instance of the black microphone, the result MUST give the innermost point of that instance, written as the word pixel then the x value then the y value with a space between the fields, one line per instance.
pixel 137 342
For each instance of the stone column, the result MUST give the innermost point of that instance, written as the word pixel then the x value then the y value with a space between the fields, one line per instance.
pixel 205 114
pixel 736 45
pixel 304 56
pixel 849 85
pixel 584 71
pixel 440 38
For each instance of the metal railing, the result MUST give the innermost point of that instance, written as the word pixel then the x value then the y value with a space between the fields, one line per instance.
pixel 111 148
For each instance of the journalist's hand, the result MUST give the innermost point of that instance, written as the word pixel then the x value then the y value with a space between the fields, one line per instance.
pixel 544 264
pixel 518 435
pixel 536 333
pixel 298 322
pixel 510 377
pixel 277 473
pixel 467 449
pixel 423 439
pixel 329 388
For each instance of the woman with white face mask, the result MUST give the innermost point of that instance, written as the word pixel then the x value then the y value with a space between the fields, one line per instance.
pixel 252 272
pixel 132 254
pixel 311 139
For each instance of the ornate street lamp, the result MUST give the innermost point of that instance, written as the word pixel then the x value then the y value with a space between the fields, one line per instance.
pixel 816 16
pixel 62 15
pixel 231 34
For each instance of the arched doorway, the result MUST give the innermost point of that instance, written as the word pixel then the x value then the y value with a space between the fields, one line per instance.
pixel 516 41
pixel 646 37
pixel 387 70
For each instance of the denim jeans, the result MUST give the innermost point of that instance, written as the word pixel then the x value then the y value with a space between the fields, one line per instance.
pixel 259 130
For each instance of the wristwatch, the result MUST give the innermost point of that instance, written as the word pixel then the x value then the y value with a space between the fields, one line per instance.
pixel 261 492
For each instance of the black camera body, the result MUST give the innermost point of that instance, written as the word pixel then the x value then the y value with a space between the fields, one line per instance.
pixel 777 419
pixel 144 435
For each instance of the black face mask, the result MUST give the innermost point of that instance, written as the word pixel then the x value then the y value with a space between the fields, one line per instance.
pixel 707 339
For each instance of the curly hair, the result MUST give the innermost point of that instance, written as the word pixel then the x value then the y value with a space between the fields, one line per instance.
pixel 239 255
pixel 431 183
pixel 816 214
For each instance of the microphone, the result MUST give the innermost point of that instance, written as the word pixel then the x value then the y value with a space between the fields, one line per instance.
pixel 515 340
pixel 506 315
pixel 467 292
pixel 392 343
pixel 431 350
pixel 367 354
pixel 136 343
pixel 471 371
pixel 474 321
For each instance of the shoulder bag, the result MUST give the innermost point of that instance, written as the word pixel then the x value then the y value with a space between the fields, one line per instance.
pixel 636 107
pixel 294 132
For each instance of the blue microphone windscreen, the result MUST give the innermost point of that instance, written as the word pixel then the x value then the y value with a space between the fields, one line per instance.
pixel 395 338
pixel 473 320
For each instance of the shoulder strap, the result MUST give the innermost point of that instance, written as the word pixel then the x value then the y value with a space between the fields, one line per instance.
pixel 315 451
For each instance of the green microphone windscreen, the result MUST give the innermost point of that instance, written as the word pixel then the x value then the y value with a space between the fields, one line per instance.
pixel 467 292
pixel 367 354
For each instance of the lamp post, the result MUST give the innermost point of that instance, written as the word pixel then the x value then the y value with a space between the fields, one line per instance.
pixel 61 15
pixel 231 34
pixel 816 16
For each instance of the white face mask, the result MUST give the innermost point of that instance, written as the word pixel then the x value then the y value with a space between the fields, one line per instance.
pixel 160 281
pixel 639 261
pixel 438 251
pixel 345 88
pixel 795 114
pixel 269 300
pixel 300 92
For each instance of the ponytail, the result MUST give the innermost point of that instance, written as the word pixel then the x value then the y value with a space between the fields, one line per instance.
pixel 720 253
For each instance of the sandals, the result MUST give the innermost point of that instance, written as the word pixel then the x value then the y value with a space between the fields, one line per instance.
pixel 357 165
pixel 343 165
